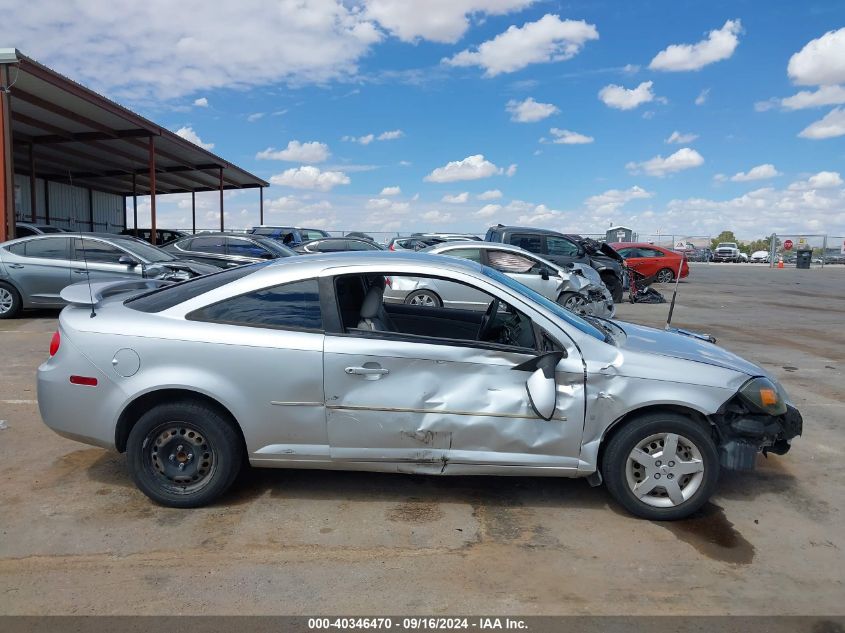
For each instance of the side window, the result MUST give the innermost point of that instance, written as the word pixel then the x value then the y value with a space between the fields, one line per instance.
pixel 293 305
pixel 245 248
pixel 327 246
pixel 651 252
pixel 19 249
pixel 47 248
pixel 215 245
pixel 561 246
pixel 626 252
pixel 472 254
pixel 507 262
pixel 359 245
pixel 96 251
pixel 532 243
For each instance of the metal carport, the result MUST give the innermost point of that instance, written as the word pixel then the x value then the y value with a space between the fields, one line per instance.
pixel 54 130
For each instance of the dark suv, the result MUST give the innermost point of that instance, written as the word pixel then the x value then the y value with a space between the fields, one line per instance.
pixel 563 249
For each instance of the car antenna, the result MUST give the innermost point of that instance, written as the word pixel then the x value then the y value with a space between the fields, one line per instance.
pixel 84 254
pixel 675 292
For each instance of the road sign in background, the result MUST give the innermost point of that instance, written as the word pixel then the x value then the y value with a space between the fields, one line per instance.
pixel 787 245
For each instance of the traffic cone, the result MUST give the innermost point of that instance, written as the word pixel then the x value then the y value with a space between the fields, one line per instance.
pixel 780 261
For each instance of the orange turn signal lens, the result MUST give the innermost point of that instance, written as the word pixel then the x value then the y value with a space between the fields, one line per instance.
pixel 768 397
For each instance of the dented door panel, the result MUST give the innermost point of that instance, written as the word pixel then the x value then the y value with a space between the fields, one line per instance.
pixel 440 404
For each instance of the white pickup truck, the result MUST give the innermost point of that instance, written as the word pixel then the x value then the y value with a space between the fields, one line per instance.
pixel 727 252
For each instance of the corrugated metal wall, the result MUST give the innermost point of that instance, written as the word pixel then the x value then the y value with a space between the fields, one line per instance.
pixel 70 207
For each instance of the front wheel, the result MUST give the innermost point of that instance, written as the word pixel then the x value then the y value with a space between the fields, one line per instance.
pixel 184 454
pixel 575 302
pixel 665 276
pixel 661 466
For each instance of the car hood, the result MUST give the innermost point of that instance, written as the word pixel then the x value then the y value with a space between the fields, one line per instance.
pixel 650 340
pixel 600 249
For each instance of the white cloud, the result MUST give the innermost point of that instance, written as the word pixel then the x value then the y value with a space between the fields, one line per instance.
pixel 438 217
pixel 511 171
pixel 296 152
pixel 821 180
pixel 191 48
pixel 829 126
pixel 308 177
pixel 623 98
pixel 202 102
pixel 684 158
pixel 718 45
pixel 488 210
pixel 760 172
pixel 701 99
pixel 459 198
pixel 292 204
pixel 568 137
pixel 390 135
pixel 490 194
pixel 611 200
pixel 383 204
pixel 188 134
pixel 442 21
pixel 366 139
pixel 529 111
pixel 820 62
pixel 825 95
pixel 255 116
pixel 549 39
pixel 680 138
pixel 470 168
pixel 391 191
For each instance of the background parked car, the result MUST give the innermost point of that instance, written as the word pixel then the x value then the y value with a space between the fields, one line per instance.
pixel 226 250
pixel 727 252
pixel 288 235
pixel 25 229
pixel 34 270
pixel 760 257
pixel 577 287
pixel 163 236
pixel 336 245
pixel 651 260
pixel 413 243
pixel 565 249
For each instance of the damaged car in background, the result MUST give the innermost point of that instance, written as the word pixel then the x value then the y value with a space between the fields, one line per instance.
pixel 300 363
pixel 34 270
pixel 576 287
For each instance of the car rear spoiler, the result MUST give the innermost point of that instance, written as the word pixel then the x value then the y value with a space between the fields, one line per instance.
pixel 85 294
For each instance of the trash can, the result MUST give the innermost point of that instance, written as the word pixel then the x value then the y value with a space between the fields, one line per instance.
pixel 805 256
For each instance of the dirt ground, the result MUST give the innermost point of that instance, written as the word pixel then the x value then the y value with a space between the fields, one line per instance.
pixel 76 537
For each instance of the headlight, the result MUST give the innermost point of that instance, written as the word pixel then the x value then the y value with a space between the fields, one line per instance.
pixel 763 396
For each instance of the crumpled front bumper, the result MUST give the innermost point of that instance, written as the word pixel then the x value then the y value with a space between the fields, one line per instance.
pixel 743 436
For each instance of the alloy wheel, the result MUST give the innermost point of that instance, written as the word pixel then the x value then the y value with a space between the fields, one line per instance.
pixel 577 304
pixel 423 299
pixel 665 276
pixel 664 470
pixel 6 301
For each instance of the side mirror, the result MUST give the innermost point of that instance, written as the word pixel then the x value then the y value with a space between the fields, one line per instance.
pixel 544 274
pixel 126 260
pixel 541 385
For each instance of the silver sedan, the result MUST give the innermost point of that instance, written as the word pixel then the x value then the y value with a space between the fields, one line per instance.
pixel 299 363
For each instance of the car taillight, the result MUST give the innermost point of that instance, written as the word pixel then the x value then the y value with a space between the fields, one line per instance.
pixel 54 343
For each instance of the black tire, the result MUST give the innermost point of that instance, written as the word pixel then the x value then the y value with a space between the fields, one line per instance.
pixel 567 299
pixel 665 276
pixel 10 301
pixel 614 465
pixel 424 298
pixel 212 456
pixel 614 285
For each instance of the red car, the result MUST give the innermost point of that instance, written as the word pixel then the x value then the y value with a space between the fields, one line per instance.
pixel 648 259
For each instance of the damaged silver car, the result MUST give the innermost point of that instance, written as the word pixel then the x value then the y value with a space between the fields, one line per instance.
pixel 299 363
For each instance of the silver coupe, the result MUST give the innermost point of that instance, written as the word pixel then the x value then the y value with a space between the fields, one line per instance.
pixel 299 363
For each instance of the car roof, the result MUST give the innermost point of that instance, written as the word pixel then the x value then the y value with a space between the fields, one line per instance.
pixel 527 229
pixel 386 259
pixel 248 236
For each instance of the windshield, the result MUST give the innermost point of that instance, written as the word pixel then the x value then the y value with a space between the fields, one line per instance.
pixel 144 251
pixel 571 318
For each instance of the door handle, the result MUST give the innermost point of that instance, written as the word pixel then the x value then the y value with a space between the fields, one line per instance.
pixel 367 371
pixel 15 265
pixel 81 272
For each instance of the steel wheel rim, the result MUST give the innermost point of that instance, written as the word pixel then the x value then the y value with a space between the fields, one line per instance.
pixel 6 301
pixel 576 304
pixel 654 481
pixel 179 457
pixel 665 276
pixel 423 299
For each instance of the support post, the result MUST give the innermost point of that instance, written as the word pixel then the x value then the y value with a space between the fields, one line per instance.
pixel 194 212
pixel 32 215
pixel 152 166
pixel 221 200
pixel 7 179
pixel 134 205
pixel 46 201
pixel 91 209
pixel 261 205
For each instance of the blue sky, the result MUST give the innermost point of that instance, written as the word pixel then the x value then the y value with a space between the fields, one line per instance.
pixel 562 112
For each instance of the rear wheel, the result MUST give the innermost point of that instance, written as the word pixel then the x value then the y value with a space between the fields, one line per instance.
pixel 184 454
pixel 665 276
pixel 661 466
pixel 10 301
pixel 423 298
pixel 614 285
